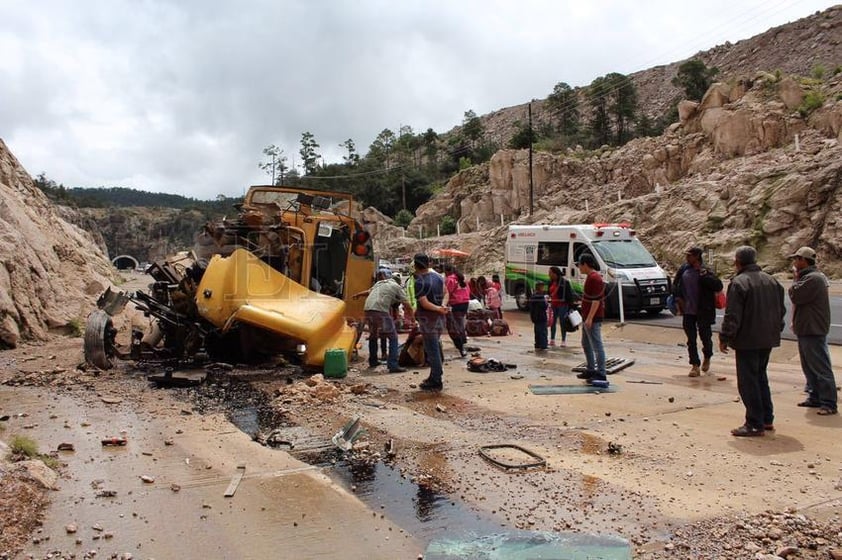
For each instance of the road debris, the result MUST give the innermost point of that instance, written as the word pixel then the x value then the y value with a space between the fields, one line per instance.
pixel 235 481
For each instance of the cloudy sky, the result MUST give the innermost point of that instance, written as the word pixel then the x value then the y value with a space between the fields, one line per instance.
pixel 182 96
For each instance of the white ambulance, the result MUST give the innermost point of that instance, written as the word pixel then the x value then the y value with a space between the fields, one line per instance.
pixel 532 249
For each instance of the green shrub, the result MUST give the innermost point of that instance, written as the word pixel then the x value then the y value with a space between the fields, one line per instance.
pixel 465 163
pixel 817 72
pixel 812 101
pixel 74 327
pixel 837 70
pixel 403 217
pixel 22 446
pixel 447 226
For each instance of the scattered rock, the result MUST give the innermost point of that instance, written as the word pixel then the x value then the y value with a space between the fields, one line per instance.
pixel 38 471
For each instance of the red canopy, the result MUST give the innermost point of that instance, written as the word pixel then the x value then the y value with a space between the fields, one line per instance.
pixel 448 253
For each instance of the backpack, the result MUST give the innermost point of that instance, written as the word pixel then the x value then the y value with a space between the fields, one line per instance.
pixel 477 327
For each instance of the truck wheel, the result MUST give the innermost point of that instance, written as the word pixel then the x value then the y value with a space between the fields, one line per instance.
pixel 99 339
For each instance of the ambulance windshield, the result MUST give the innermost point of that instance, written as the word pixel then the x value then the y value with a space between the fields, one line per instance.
pixel 624 253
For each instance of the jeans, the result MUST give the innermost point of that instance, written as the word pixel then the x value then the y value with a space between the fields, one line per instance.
pixel 540 335
pixel 691 326
pixel 431 326
pixel 815 363
pixel 753 385
pixel 381 324
pixel 594 349
pixel 456 321
pixel 559 313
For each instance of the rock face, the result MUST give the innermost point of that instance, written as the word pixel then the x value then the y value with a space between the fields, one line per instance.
pixel 50 271
pixel 741 167
pixel 146 234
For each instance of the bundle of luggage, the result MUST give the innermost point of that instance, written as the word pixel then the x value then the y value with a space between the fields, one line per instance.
pixel 484 322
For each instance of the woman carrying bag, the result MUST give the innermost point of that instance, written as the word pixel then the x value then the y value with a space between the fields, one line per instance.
pixel 562 300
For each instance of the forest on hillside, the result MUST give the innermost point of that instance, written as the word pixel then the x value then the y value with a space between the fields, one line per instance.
pixel 120 197
pixel 401 171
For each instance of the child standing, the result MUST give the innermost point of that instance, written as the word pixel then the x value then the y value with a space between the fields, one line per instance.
pixel 493 300
pixel 538 314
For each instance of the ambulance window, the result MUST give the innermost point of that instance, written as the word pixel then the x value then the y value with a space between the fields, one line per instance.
pixel 553 253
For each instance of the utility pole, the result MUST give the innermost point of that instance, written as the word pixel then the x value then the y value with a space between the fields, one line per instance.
pixel 531 187
pixel 403 188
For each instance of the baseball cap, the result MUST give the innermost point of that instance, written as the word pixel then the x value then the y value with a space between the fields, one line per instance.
pixel 805 252
pixel 696 251
pixel 421 260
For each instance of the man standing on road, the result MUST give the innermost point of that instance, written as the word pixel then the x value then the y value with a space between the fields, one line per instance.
pixel 754 319
pixel 695 287
pixel 378 305
pixel 429 293
pixel 811 324
pixel 593 310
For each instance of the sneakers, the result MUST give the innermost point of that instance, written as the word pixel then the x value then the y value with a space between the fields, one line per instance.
pixel 747 431
pixel 429 385
pixel 398 370
pixel 552 343
pixel 598 382
pixel 563 344
pixel 694 371
pixel 586 375
pixel 706 365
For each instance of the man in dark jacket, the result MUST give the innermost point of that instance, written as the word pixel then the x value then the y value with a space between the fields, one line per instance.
pixel 695 286
pixel 811 323
pixel 754 319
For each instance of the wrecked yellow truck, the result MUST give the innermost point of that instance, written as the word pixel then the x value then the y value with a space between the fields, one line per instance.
pixel 276 279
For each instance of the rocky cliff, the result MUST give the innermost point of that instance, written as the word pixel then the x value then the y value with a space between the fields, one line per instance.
pixel 743 166
pixel 147 234
pixel 798 48
pixel 50 271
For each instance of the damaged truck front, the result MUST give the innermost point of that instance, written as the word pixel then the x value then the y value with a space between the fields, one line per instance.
pixel 276 279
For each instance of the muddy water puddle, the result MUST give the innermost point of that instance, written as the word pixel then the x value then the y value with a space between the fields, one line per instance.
pixel 419 510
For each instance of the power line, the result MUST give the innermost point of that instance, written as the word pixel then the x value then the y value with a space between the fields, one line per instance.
pixel 363 174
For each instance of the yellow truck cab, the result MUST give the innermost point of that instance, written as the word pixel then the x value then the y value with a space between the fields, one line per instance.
pixel 316 255
pixel 276 278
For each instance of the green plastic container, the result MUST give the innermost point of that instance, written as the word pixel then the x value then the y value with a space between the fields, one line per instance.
pixel 336 363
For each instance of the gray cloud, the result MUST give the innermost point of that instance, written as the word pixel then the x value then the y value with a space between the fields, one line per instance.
pixel 183 96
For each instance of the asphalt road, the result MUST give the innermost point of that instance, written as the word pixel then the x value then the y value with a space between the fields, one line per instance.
pixel 666 319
